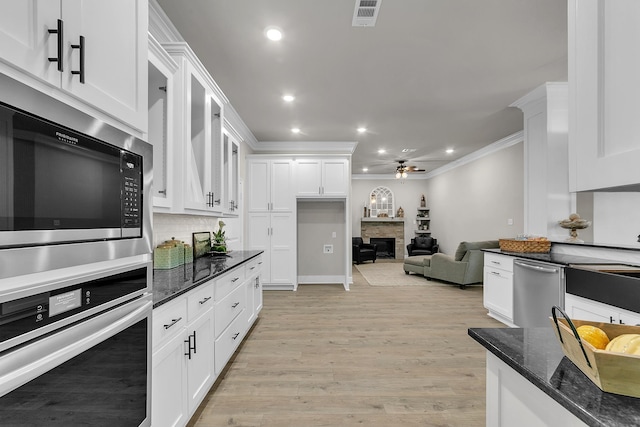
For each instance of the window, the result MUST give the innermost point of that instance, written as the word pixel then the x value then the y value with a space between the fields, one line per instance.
pixel 381 202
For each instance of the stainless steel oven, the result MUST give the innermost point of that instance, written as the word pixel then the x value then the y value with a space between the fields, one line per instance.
pixel 75 274
pixel 76 351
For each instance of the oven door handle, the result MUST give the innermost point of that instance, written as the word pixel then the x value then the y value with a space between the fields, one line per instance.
pixel 29 362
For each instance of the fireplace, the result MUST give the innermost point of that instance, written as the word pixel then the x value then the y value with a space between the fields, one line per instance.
pixel 385 247
pixel 385 228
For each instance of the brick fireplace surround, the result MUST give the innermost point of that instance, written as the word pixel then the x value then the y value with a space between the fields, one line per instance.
pixel 384 227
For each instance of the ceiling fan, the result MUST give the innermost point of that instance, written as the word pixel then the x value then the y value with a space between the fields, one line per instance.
pixel 402 170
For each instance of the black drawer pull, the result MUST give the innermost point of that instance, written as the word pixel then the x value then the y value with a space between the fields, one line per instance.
pixel 235 305
pixel 173 322
pixel 204 300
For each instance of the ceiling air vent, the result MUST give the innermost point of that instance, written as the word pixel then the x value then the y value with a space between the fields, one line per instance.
pixel 366 13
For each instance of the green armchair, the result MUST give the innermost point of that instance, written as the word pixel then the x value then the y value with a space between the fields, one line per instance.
pixel 464 268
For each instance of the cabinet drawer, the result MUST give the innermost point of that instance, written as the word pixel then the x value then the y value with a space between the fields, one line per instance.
pixel 227 343
pixel 253 267
pixel 226 283
pixel 502 262
pixel 229 308
pixel 168 320
pixel 199 301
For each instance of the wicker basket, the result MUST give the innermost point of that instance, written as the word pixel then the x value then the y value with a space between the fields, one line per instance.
pixel 611 372
pixel 513 245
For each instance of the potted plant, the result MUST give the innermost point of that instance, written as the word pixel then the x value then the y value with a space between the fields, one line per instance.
pixel 219 243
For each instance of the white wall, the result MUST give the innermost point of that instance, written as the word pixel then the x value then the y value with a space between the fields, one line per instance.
pixel 317 221
pixel 468 203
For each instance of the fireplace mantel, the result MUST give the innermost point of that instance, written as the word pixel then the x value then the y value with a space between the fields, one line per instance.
pixel 372 219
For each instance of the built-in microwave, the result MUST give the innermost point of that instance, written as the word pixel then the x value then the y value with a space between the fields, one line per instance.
pixel 74 187
pixel 64 186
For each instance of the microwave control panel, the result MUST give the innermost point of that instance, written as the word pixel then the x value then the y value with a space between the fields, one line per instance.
pixel 131 190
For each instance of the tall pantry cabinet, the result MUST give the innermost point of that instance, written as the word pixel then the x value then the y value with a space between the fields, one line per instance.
pixel 271 224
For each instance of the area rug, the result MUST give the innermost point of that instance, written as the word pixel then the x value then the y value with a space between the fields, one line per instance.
pixel 391 274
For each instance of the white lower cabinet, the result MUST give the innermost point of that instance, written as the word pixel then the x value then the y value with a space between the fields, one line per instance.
pixel 498 287
pixel 169 377
pixel 514 401
pixel 585 309
pixel 195 335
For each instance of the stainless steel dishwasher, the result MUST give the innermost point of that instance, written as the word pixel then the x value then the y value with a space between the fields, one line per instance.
pixel 537 287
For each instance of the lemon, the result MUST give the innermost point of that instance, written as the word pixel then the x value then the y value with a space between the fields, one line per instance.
pixel 594 336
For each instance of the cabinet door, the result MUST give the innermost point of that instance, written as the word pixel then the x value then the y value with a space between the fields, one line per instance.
pixel 281 191
pixel 308 177
pixel 335 177
pixel 283 256
pixel 161 74
pixel 629 318
pixel 583 309
pixel 604 89
pixel 115 56
pixel 498 292
pixel 258 190
pixel 259 238
pixel 25 41
pixel 200 366
pixel 169 384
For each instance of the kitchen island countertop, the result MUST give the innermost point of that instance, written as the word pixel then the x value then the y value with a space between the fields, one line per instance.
pixel 552 257
pixel 536 354
pixel 169 284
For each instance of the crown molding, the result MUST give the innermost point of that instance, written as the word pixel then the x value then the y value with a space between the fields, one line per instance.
pixel 160 26
pixel 334 147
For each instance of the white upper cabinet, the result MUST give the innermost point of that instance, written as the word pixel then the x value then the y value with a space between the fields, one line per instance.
pixel 198 128
pixel 161 91
pixel 93 52
pixel 230 172
pixel 270 185
pixel 322 177
pixel 604 88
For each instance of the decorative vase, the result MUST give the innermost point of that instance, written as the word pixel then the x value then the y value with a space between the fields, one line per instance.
pixel 423 202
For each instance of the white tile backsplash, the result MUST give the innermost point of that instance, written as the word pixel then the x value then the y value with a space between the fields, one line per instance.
pixel 167 226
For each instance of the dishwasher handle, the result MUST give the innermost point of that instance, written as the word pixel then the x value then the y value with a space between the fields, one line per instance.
pixel 534 267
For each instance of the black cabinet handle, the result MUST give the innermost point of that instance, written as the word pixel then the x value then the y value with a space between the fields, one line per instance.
pixel 81 71
pixel 58 31
pixel 189 346
pixel 173 322
pixel 235 305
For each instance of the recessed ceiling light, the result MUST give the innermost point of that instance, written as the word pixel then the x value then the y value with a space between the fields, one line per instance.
pixel 449 150
pixel 295 130
pixel 362 130
pixel 273 33
pixel 382 151
pixel 365 169
pixel 288 98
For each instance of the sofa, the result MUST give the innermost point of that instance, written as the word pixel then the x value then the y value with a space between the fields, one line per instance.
pixel 422 245
pixel 464 268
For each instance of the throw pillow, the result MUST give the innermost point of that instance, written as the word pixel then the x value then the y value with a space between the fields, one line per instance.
pixel 423 242
pixel 461 251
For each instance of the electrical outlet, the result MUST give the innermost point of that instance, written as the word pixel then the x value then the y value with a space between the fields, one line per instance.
pixel 510 221
pixel 328 249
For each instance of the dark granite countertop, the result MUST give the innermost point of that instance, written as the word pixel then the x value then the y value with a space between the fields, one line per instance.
pixel 552 258
pixel 169 284
pixel 536 354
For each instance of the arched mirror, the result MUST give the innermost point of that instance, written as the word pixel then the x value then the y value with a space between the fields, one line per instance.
pixel 382 203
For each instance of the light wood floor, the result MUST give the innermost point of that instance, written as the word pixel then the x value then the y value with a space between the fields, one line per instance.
pixel 374 356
